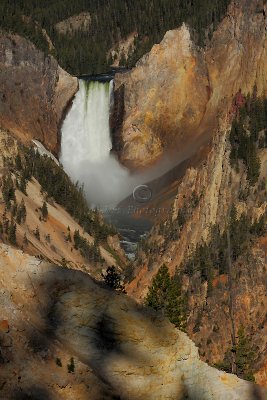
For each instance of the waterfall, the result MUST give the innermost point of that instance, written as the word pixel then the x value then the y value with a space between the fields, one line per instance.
pixel 86 157
pixel 86 145
pixel 85 131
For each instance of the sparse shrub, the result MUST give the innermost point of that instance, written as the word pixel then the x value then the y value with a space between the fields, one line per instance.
pixel 71 366
pixel 64 262
pixel 58 362
pixel 21 213
pixel 44 211
pixel 12 233
pixel 113 279
pixel 25 240
pixel 37 233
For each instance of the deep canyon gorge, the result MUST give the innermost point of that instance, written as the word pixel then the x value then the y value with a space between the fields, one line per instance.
pixel 157 172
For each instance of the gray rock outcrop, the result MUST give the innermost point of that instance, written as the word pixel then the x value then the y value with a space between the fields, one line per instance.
pixel 132 352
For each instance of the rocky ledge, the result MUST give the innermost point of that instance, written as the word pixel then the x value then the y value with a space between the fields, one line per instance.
pixel 63 336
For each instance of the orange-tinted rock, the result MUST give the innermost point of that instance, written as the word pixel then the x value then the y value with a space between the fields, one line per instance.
pixel 4 326
pixel 261 376
pixel 177 93
pixel 217 186
pixel 165 98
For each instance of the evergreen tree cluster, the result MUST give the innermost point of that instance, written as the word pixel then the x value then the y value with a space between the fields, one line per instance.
pixel 245 357
pixel 86 52
pixel 248 134
pixel 165 295
pixel 57 185
pixel 8 229
pixel 8 190
pixel 17 212
pixel 13 18
pixel 213 256
pixel 170 229
pixel 89 251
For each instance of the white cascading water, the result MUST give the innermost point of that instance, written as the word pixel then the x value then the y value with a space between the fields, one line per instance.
pixel 85 131
pixel 86 157
pixel 86 145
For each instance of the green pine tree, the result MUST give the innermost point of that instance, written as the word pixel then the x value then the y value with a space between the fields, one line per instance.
pixel 165 295
pixel 21 213
pixel 12 233
pixel 44 211
pixel 244 356
pixel 158 292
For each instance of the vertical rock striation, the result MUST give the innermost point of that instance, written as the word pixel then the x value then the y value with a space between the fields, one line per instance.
pixel 34 91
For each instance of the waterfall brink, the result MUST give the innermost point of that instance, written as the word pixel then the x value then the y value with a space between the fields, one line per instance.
pixel 86 145
pixel 85 131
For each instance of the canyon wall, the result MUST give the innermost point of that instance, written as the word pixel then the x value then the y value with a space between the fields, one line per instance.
pixel 216 186
pixel 177 100
pixel 55 239
pixel 120 350
pixel 35 91
pixel 176 93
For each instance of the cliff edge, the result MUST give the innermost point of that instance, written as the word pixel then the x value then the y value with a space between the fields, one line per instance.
pixel 174 98
pixel 120 350
pixel 35 91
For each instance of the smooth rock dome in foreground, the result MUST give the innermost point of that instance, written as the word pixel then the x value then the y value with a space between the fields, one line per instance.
pixel 120 349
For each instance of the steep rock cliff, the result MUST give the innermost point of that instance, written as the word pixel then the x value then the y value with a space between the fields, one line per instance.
pixel 35 91
pixel 216 186
pixel 119 350
pixel 235 61
pixel 174 95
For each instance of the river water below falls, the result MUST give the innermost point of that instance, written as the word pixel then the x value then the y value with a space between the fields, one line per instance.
pixel 86 157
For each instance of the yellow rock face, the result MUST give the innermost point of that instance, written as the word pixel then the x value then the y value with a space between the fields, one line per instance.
pixel 158 98
pixel 177 93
